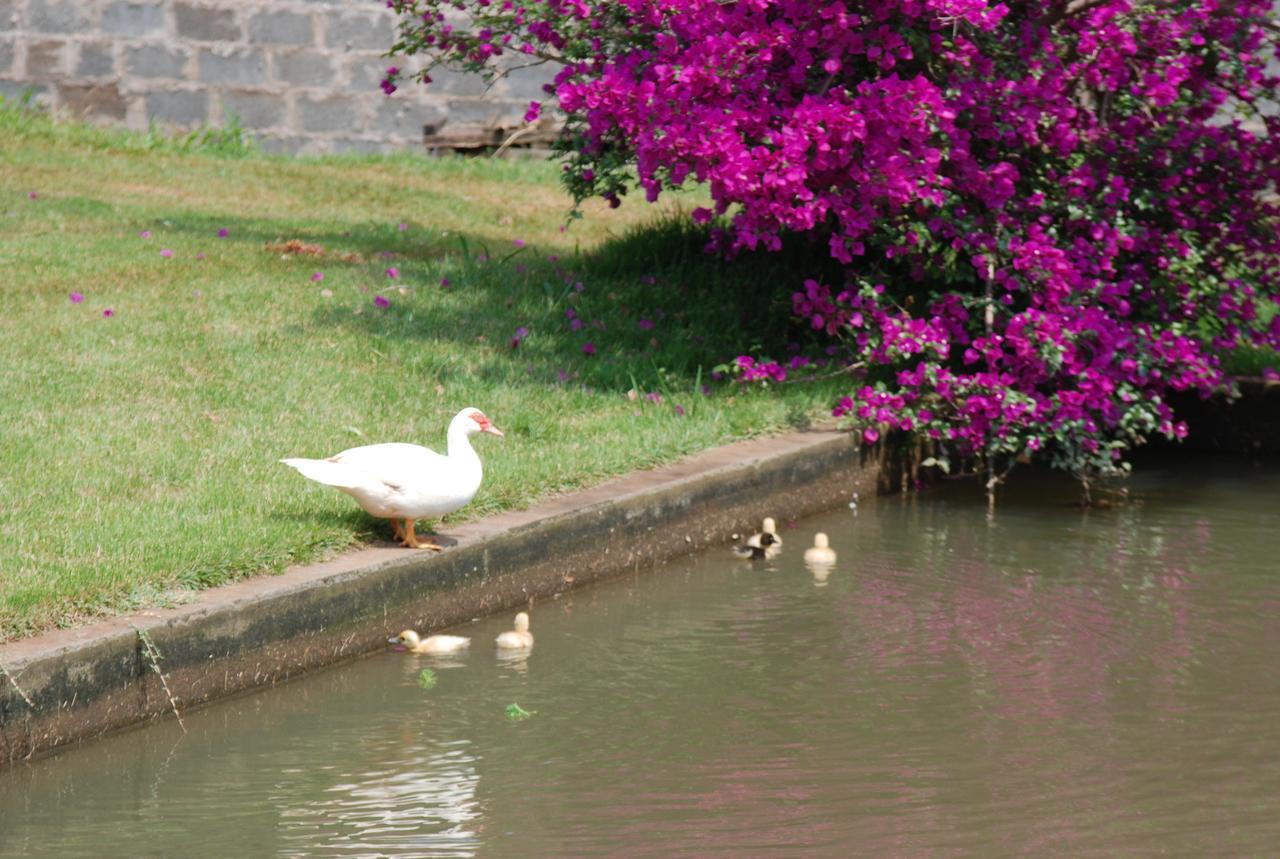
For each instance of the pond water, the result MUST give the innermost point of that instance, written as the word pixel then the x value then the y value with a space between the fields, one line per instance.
pixel 1046 681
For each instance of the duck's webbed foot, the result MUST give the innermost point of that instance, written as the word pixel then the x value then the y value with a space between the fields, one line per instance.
pixel 412 541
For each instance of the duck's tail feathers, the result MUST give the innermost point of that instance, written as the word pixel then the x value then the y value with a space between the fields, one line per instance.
pixel 329 473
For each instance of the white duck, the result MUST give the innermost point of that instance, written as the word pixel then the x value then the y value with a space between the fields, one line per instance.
pixel 519 638
pixel 405 482
pixel 430 644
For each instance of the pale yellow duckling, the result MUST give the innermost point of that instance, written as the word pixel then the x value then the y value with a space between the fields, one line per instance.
pixel 820 552
pixel 768 526
pixel 767 539
pixel 430 644
pixel 519 638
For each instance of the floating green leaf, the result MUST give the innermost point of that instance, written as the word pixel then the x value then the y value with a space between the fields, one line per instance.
pixel 427 678
pixel 516 713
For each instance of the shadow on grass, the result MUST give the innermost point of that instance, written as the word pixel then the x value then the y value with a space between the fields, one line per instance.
pixel 650 310
pixel 368 239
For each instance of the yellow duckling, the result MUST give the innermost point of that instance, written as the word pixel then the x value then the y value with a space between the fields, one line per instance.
pixel 430 644
pixel 519 638
pixel 768 526
pixel 767 539
pixel 820 552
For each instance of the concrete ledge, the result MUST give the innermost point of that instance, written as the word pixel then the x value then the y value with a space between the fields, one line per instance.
pixel 74 684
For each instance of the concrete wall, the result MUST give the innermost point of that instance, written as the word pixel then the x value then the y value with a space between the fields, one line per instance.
pixel 301 75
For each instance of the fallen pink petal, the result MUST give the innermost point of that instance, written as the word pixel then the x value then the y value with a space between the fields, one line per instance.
pixel 165 252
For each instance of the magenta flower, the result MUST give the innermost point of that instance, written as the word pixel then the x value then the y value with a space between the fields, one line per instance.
pixel 223 233
pixel 444 283
pixel 518 243
pixel 534 111
pixel 386 83
pixel 381 301
pixel 393 272
pixel 317 277
pixel 145 234
pixel 108 312
pixel 679 410
pixel 32 195
pixel 402 226
pixel 199 254
pixel 948 136
pixel 645 324
pixel 588 349
pixel 76 298
pixel 166 253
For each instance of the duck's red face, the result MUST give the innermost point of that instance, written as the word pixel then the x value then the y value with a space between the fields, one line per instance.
pixel 484 423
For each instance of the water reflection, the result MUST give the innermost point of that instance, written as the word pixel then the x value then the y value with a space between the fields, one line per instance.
pixel 420 803
pixel 821 572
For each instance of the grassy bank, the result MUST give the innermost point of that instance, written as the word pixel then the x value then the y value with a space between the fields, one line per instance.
pixel 252 315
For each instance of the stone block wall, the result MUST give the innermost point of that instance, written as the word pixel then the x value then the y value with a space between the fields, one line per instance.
pixel 301 75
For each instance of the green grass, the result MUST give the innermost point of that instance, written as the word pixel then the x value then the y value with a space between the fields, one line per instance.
pixel 138 453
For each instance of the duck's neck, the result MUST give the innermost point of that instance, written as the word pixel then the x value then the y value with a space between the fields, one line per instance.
pixel 460 449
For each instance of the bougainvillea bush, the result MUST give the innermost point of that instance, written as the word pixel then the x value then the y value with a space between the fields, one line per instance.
pixel 1049 215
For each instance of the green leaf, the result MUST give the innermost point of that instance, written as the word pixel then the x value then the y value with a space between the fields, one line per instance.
pixel 516 713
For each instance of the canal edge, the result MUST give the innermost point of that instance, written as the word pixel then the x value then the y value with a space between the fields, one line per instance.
pixel 67 686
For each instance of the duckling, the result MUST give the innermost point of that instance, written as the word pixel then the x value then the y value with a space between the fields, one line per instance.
pixel 519 638
pixel 430 644
pixel 820 552
pixel 768 526
pixel 757 547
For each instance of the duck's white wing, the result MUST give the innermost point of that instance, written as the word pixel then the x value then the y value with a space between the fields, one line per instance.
pixel 394 462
